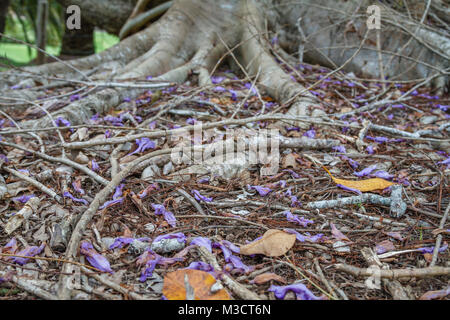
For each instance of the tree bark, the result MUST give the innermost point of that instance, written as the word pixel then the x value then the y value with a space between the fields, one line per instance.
pixel 3 13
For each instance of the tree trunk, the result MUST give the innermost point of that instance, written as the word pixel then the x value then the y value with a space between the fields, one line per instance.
pixel 3 13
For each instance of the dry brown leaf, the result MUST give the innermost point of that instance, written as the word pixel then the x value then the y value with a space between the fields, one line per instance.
pixel 289 161
pixel 274 243
pixel 266 277
pixel 362 185
pixel 174 285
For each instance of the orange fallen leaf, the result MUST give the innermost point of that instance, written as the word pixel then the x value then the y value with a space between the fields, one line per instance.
pixel 273 243
pixel 266 277
pixel 174 287
pixel 362 185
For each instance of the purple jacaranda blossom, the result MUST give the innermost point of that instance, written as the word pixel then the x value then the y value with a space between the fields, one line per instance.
pixel 398 106
pixel 191 121
pixel 300 290
pixel 77 187
pixel 217 79
pixel 370 150
pixel 274 40
pixel 199 197
pixel 248 85
pixel 144 144
pixel 384 246
pixel 115 121
pixel 378 139
pixel 75 97
pixel 295 218
pixel 94 258
pixel 442 107
pixel 27 172
pixel 24 198
pixel 204 180
pixel 110 203
pixel 152 125
pixel 340 149
pixel 348 188
pixel 288 192
pixel 150 259
pixel 431 249
pixel 282 183
pixel 263 191
pixel 203 242
pixel 390 116
pixel 126 99
pixel 294 174
pixel 95 118
pixel 310 134
pixel 94 165
pixel 69 195
pixel 4 158
pixel 365 171
pixel 123 241
pixel 227 252
pixel 179 236
pixel 383 175
pixel 234 94
pixel 446 162
pixel 107 134
pixel 144 193
pixel 10 247
pixel 200 265
pixel 306 237
pixel 118 191
pixel 295 202
pixel 354 164
pixel 292 129
pixel 168 216
pixel 219 89
pixel 60 121
pixel 241 267
pixel 27 252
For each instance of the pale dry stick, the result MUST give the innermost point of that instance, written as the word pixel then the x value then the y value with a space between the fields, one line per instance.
pixel 395 273
pixel 30 288
pixel 113 285
pixel 323 279
pixel 34 183
pixel 439 237
pixel 233 285
pixel 65 161
pixel 192 201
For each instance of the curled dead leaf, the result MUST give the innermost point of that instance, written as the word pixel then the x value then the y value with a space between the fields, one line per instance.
pixel 201 282
pixel 266 277
pixel 362 185
pixel 274 243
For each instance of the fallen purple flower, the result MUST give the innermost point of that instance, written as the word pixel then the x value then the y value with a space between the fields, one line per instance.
pixel 348 188
pixel 431 249
pixel 263 191
pixel 27 252
pixel 294 174
pixel 202 242
pixel 383 175
pixel 294 218
pixel 94 165
pixel 110 203
pixel 144 144
pixel 340 149
pixel 365 171
pixel 95 259
pixel 24 198
pixel 310 134
pixel 168 216
pixel 300 290
pixel 69 195
pixel 199 197
pixel 179 236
